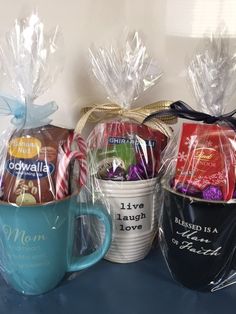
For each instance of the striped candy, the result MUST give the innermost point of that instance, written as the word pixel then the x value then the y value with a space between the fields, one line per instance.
pixel 74 149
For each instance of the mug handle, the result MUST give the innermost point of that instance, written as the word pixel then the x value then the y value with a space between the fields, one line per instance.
pixel 82 262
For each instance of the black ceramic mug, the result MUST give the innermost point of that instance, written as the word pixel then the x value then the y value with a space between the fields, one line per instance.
pixel 198 240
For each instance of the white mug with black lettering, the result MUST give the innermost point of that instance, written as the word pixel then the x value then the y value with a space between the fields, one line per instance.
pixel 133 209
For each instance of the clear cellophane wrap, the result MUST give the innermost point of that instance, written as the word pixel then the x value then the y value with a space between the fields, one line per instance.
pixel 198 208
pixel 45 228
pixel 123 153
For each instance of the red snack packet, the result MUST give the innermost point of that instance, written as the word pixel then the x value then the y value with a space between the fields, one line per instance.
pixel 206 157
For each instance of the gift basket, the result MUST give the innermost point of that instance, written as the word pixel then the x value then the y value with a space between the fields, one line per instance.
pixel 198 211
pixel 124 154
pixel 39 186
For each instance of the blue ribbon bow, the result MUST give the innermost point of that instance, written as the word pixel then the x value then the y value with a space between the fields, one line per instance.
pixel 182 110
pixel 26 116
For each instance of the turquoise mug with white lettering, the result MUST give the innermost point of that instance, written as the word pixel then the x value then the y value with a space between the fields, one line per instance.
pixel 36 243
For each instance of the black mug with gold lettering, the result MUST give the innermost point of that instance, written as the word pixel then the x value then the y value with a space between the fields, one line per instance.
pixel 198 240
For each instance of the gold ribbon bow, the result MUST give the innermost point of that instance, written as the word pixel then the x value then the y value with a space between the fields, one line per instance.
pixel 97 113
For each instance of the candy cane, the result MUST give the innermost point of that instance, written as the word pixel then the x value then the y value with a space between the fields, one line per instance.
pixel 68 154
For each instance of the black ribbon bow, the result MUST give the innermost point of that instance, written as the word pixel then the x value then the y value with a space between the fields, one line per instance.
pixel 182 110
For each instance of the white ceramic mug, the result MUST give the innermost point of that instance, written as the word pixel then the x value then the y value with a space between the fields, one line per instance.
pixel 133 209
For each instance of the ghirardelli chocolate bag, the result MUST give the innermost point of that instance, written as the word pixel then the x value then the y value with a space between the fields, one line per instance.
pixel 32 164
pixel 121 151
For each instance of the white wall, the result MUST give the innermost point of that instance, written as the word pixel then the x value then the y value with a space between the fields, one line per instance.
pixel 84 22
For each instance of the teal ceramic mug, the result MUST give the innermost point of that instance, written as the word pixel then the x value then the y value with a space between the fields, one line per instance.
pixel 36 243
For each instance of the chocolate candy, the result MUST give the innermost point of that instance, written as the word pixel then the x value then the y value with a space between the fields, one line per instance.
pixel 110 167
pixel 188 190
pixel 117 174
pixel 139 172
pixel 135 173
pixel 234 194
pixel 212 193
pixel 172 182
